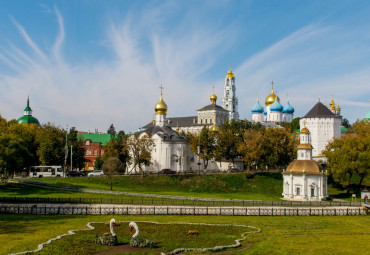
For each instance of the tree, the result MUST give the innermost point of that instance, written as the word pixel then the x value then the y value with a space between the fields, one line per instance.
pixel 140 149
pixel 112 131
pixel 12 153
pixel 207 145
pixel 98 164
pixel 51 145
pixel 346 123
pixel 78 156
pixel 294 125
pixel 251 147
pixel 350 155
pixel 111 167
pixel 117 147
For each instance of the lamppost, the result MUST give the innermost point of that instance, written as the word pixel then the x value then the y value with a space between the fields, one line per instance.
pixel 66 152
pixel 199 155
pixel 71 157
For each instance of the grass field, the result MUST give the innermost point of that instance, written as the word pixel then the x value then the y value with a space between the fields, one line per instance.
pixel 231 186
pixel 263 186
pixel 279 235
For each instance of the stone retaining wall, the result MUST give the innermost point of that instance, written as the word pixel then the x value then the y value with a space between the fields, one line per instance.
pixel 178 210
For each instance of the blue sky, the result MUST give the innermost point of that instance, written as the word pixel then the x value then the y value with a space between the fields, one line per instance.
pixel 92 63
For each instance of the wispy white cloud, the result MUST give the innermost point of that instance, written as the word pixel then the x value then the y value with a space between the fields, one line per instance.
pixel 305 64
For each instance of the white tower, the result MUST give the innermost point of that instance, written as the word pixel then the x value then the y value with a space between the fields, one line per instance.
pixel 230 101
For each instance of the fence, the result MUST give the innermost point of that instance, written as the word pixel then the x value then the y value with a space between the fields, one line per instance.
pixel 180 210
pixel 161 201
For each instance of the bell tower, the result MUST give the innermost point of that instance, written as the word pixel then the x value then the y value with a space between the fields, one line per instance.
pixel 230 101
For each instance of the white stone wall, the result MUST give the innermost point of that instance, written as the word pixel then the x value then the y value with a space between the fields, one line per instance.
pixel 288 118
pixel 299 187
pixel 322 131
pixel 258 117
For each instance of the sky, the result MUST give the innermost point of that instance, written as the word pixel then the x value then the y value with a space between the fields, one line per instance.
pixel 92 63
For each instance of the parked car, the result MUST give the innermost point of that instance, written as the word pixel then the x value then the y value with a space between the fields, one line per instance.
pixel 96 173
pixel 167 171
pixel 74 174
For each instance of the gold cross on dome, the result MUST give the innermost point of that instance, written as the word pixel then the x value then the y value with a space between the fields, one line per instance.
pixel 161 87
pixel 304 123
pixel 213 89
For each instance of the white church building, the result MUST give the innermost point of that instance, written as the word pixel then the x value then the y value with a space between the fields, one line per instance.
pixel 274 112
pixel 171 150
pixel 304 178
pixel 324 125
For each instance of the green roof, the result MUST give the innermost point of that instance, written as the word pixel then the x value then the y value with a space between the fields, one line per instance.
pixel 95 138
pixel 28 119
pixel 367 116
pixel 28 108
pixel 343 129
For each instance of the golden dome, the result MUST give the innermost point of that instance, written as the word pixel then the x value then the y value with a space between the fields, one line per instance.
pixel 309 167
pixel 338 108
pixel 214 128
pixel 271 98
pixel 213 98
pixel 305 130
pixel 306 146
pixel 161 107
pixel 230 74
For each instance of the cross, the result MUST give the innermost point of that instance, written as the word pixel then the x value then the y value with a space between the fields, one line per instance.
pixel 287 98
pixel 213 89
pixel 304 123
pixel 161 87
pixel 319 98
pixel 272 85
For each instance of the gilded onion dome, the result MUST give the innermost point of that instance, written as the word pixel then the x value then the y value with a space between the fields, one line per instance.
pixel 338 108
pixel 213 98
pixel 161 107
pixel 230 74
pixel 305 130
pixel 214 128
pixel 271 98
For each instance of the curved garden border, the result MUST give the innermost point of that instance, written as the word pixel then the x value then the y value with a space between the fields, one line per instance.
pixel 178 250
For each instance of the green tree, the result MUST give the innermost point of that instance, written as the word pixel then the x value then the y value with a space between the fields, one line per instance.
pixel 78 150
pixel 140 149
pixel 12 153
pixel 346 123
pixel 111 167
pixel 350 155
pixel 294 125
pixel 117 147
pixel 51 150
pixel 98 164
pixel 111 130
pixel 251 147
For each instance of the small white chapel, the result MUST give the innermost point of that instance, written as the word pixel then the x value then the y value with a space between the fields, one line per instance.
pixel 304 178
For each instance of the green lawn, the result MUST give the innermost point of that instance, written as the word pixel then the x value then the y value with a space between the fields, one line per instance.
pixel 263 186
pixel 279 235
pixel 228 186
